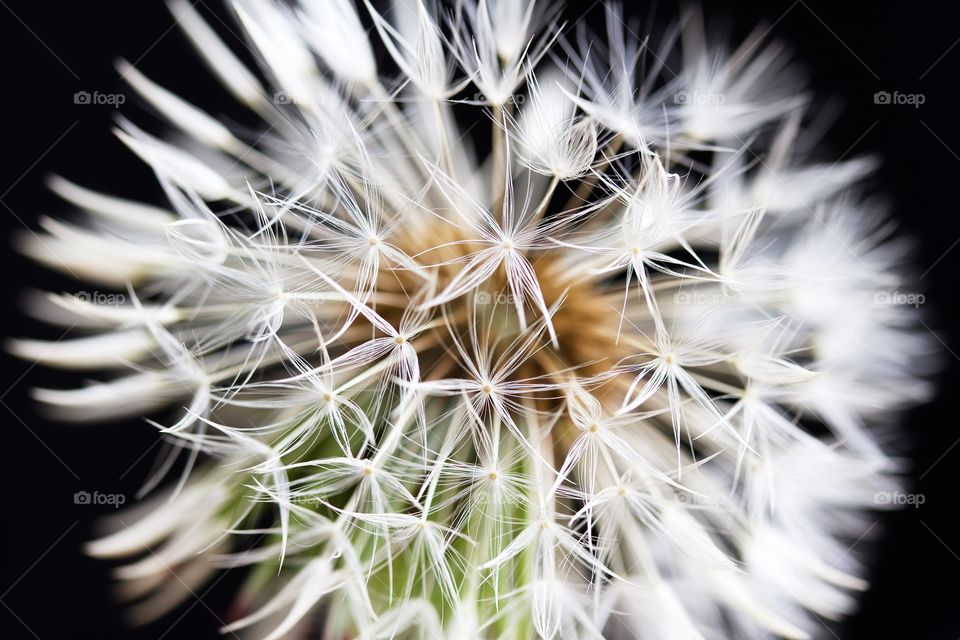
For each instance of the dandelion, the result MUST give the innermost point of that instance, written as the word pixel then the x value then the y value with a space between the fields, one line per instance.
pixel 499 334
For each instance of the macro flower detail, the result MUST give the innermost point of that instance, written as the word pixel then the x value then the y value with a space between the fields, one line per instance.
pixel 495 328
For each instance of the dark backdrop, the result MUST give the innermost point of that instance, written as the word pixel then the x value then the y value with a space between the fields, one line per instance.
pixel 52 50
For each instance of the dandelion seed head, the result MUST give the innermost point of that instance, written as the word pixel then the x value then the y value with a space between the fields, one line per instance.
pixel 571 366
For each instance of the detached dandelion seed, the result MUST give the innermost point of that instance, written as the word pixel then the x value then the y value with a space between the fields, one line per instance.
pixel 598 359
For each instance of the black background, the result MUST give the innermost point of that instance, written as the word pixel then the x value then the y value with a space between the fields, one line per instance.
pixel 53 49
